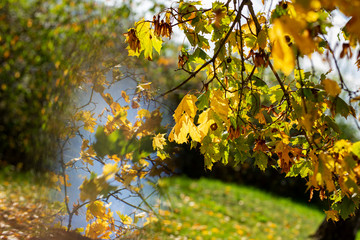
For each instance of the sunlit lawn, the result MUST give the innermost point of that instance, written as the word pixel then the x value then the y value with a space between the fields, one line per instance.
pixel 208 209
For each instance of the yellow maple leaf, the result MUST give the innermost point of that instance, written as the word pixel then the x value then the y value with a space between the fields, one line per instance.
pixel 159 141
pixel 125 219
pixel 331 87
pixel 307 121
pixel 282 54
pixel 95 209
pixel 143 113
pixel 89 121
pixel 261 39
pixel 219 104
pixel 205 121
pixel 187 105
pixel 98 229
pixel 87 154
pixel 325 176
pixel 182 129
pixel 115 157
pixel 152 122
pixel 109 170
pixel 302 37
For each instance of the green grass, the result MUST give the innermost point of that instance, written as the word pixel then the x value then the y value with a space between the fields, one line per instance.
pixel 209 209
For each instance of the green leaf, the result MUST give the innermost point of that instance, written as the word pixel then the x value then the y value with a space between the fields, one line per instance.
pixel 341 107
pixel 255 103
pixel 199 53
pixel 332 124
pixel 224 149
pixel 203 101
pixel 345 207
pixel 303 168
pixel 241 148
pixel 261 160
pixel 114 143
pixel 211 152
pixel 91 188
pixel 144 147
pixel 258 81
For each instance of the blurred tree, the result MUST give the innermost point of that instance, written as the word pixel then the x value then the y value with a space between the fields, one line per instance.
pixel 45 48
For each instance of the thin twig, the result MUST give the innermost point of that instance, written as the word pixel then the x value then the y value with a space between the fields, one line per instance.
pixel 286 94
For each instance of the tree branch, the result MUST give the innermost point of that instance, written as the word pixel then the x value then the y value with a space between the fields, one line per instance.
pixel 286 94
pixel 237 18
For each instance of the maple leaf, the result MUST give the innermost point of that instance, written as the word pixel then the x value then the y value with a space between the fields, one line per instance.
pixel 143 113
pixel 261 160
pixel 182 129
pixel 331 87
pixel 285 162
pixel 98 229
pixel 262 39
pixel 355 148
pixel 302 37
pixel 260 116
pixel 211 152
pixel 220 105
pixel 95 209
pixel 86 155
pixel 159 141
pixel 108 98
pixel 187 106
pixel 307 121
pixel 143 39
pixel 205 121
pixel 91 188
pixel 324 175
pixel 88 190
pixel 282 54
pixel 135 104
pixel 89 121
pixel 332 214
pixel 150 219
pixel 352 27
pixel 152 122
pixel 125 219
pixel 261 146
pixel 109 170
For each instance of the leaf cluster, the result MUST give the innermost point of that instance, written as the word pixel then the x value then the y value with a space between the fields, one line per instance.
pixel 286 121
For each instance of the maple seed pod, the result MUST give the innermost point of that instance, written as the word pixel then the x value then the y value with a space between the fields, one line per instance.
pixel 213 126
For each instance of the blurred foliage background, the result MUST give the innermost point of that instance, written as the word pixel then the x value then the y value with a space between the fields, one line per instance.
pixel 47 50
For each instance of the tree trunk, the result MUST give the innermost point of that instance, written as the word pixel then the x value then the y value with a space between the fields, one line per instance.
pixel 343 229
